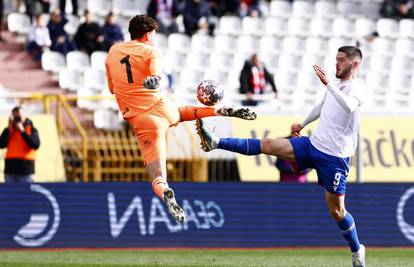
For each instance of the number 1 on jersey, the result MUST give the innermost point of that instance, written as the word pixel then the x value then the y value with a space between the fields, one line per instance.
pixel 125 61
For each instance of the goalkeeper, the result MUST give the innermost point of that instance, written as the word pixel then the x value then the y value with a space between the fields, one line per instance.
pixel 133 72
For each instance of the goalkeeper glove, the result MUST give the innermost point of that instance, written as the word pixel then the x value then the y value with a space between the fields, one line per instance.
pixel 152 82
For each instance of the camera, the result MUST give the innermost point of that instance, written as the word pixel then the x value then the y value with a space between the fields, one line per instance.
pixel 17 119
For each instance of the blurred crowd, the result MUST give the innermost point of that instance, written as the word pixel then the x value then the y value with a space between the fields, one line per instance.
pixel 398 9
pixel 185 16
pixel 197 16
pixel 89 37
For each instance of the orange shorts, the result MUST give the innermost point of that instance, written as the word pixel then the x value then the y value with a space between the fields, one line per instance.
pixel 150 129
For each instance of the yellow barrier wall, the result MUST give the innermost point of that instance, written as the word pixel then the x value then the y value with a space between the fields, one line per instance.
pixel 387 148
pixel 49 160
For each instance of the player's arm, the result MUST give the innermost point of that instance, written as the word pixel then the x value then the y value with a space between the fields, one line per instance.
pixel 109 79
pixel 313 115
pixel 348 102
pixel 153 81
pixel 155 65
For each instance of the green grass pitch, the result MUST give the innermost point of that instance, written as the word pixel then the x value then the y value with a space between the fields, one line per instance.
pixel 376 257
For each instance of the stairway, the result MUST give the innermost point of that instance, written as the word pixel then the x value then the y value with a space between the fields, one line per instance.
pixel 19 72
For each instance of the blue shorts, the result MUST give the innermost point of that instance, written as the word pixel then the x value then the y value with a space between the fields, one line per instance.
pixel 332 171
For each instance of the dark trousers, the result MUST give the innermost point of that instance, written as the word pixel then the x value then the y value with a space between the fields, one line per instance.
pixel 62 6
pixel 35 50
pixel 191 28
pixel 31 7
pixel 1 14
pixel 63 48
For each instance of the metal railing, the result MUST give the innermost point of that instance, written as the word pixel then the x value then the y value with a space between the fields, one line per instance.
pixel 93 155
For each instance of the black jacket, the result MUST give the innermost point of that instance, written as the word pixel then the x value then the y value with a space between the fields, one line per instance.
pixel 86 38
pixel 246 78
pixel 20 166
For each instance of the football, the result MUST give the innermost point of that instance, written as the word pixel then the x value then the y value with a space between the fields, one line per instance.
pixel 209 93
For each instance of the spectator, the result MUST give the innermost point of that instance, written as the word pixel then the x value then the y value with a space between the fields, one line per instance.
pixel 397 8
pixel 253 79
pixel 21 140
pixel 197 16
pixel 1 18
pixel 165 13
pixel 31 7
pixel 218 7
pixel 233 7
pixel 288 171
pixel 89 37
pixel 39 38
pixel 250 8
pixel 58 35
pixel 112 31
pixel 62 6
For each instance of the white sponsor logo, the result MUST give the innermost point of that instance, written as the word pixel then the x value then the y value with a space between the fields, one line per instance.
pixel 406 228
pixel 336 180
pixel 203 215
pixel 32 234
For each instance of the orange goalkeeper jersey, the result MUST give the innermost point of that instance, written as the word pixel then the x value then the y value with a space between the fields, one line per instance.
pixel 127 65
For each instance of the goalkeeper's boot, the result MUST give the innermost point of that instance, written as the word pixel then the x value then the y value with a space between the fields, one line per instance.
pixel 242 113
pixel 208 140
pixel 175 210
pixel 358 258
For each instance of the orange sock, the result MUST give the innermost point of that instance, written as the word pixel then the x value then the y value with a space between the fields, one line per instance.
pixel 159 185
pixel 189 113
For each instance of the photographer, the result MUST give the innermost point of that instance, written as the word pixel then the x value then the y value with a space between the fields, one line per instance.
pixel 21 139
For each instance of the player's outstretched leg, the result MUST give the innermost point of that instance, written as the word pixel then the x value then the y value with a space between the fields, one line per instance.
pixel 208 140
pixel 245 146
pixel 242 113
pixel 163 191
pixel 189 113
pixel 176 211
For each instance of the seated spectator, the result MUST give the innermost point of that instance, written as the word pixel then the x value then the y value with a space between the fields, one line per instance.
pixel 58 35
pixel 89 37
pixel 253 79
pixel 218 7
pixel 233 7
pixel 112 31
pixel 250 8
pixel 197 17
pixel 398 8
pixel 165 13
pixel 39 38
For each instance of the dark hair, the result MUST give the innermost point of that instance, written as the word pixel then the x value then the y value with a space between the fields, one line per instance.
pixel 16 109
pixel 351 51
pixel 110 14
pixel 38 16
pixel 140 25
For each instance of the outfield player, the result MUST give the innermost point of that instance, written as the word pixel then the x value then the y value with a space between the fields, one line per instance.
pixel 328 150
pixel 133 72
